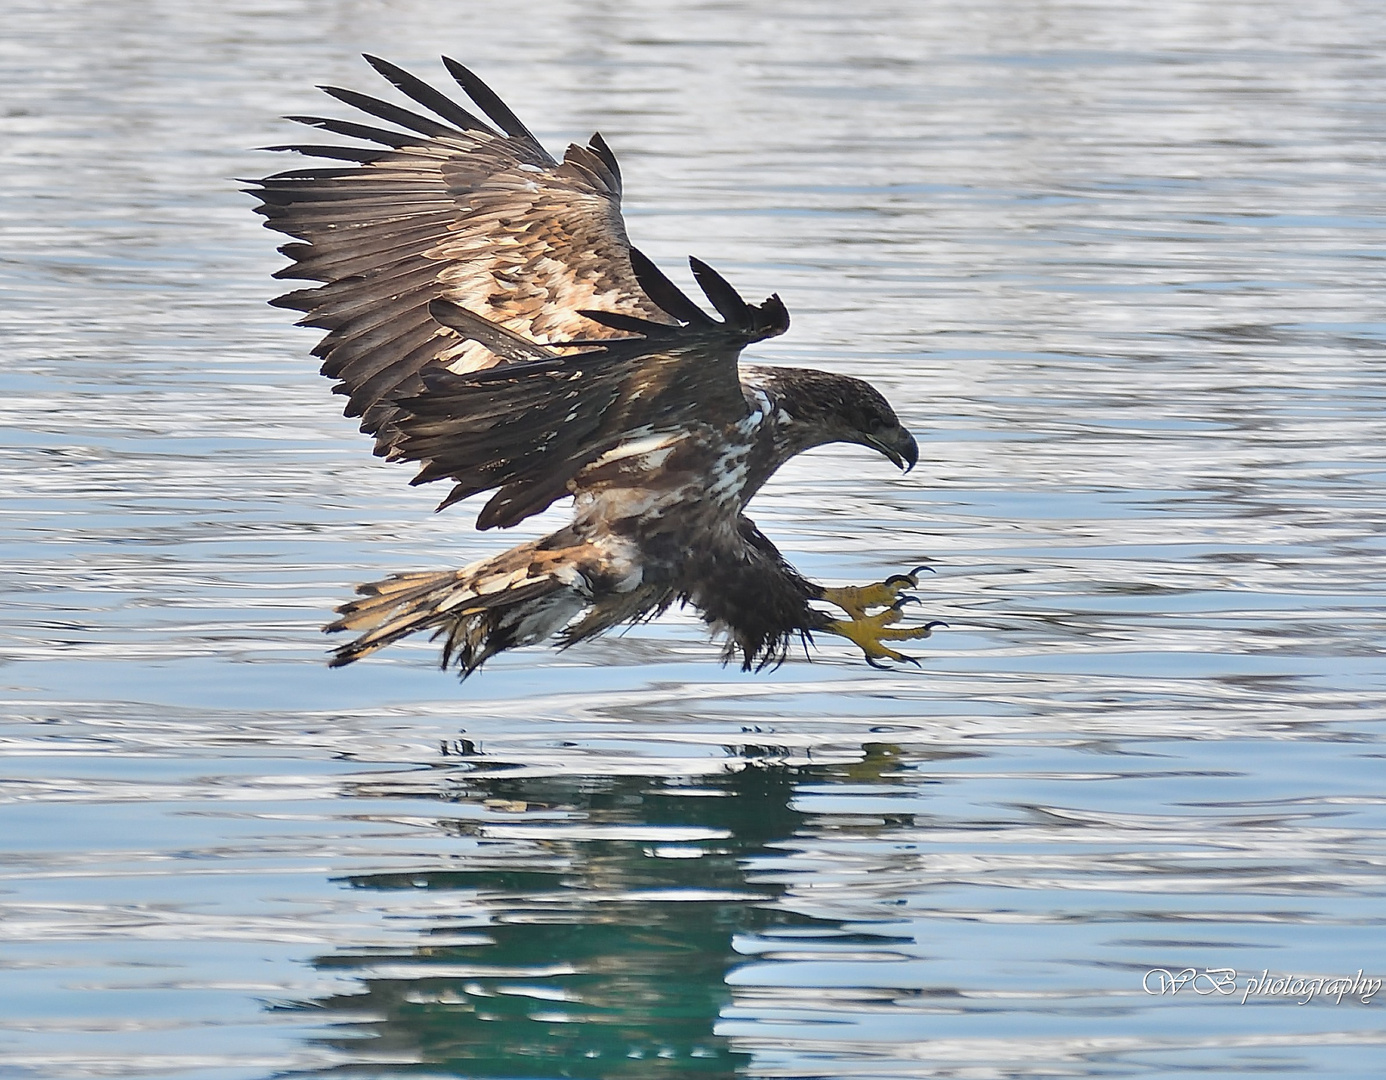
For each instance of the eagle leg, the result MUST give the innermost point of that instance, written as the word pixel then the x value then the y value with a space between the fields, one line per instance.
pixel 856 600
pixel 868 632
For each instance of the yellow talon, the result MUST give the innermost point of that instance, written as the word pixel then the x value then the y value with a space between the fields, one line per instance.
pixel 857 599
pixel 868 631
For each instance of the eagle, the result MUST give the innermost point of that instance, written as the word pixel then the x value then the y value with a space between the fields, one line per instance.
pixel 487 318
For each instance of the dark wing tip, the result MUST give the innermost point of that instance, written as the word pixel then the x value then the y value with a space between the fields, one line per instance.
pixel 426 95
pixel 489 102
pixel 752 323
pixel 603 151
pixel 725 299
pixel 667 296
pixel 771 318
pixel 405 118
pixel 394 139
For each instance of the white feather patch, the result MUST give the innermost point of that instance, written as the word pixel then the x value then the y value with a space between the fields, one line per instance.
pixel 658 446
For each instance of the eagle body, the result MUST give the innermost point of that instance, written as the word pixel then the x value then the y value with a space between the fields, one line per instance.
pixel 487 318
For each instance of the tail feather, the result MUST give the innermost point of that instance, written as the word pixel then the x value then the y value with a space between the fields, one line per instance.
pixel 479 610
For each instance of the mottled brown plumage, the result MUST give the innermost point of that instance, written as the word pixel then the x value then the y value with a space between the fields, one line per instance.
pixel 488 319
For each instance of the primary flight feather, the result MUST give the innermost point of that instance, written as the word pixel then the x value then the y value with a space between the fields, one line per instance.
pixel 488 319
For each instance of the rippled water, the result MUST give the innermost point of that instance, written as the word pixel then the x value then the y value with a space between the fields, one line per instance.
pixel 1119 265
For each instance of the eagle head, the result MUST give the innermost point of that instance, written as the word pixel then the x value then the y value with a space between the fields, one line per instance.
pixel 867 418
pixel 821 407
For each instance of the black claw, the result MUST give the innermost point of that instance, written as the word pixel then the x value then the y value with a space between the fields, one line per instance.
pixel 936 622
pixel 906 599
pixel 913 660
pixel 912 578
pixel 875 663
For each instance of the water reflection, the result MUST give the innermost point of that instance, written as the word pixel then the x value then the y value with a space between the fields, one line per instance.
pixel 588 936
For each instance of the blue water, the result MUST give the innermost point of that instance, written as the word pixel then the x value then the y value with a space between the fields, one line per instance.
pixel 1119 267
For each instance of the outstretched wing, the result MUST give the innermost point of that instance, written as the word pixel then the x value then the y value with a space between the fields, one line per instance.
pixel 484 310
pixel 446 206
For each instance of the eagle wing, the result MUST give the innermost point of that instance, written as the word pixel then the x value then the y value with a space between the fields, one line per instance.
pixel 530 425
pixel 485 313
pixel 445 206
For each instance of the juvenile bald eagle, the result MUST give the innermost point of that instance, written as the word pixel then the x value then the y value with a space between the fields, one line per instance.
pixel 487 318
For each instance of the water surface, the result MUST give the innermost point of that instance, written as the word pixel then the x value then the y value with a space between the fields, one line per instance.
pixel 1119 268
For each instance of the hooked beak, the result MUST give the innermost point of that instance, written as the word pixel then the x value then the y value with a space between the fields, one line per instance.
pixel 899 446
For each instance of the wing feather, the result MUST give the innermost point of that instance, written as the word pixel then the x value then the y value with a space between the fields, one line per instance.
pixel 354 130
pixel 351 260
pixel 724 298
pixel 490 103
pixel 405 118
pixel 664 292
pixel 414 348
pixel 358 154
pixel 506 344
pixel 427 96
pixel 599 147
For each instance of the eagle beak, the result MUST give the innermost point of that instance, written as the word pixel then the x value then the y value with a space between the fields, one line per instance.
pixel 899 446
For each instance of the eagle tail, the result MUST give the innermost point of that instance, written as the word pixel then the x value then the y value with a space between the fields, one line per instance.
pixel 516 598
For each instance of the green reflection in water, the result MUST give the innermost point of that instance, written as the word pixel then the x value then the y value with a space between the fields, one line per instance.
pixel 565 973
